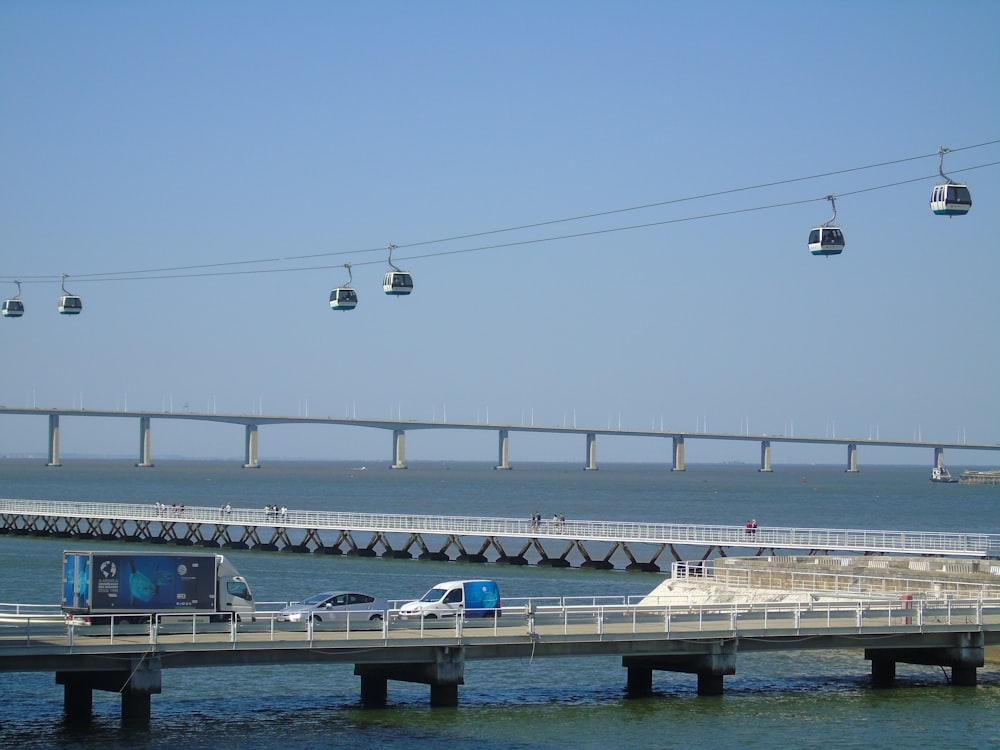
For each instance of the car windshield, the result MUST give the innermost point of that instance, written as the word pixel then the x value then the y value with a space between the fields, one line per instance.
pixel 434 595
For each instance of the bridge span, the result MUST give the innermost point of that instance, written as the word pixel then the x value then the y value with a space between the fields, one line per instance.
pixel 252 422
pixel 515 541
pixel 699 639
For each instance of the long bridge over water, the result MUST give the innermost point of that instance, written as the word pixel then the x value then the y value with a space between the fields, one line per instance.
pixel 252 422
pixel 699 639
pixel 514 541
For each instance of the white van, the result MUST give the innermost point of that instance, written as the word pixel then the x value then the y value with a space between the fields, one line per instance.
pixel 454 598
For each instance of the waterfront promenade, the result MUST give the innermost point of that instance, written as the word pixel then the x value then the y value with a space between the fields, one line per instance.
pixel 516 541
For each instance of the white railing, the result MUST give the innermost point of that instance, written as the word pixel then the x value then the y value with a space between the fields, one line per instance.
pixel 879 582
pixel 905 542
pixel 531 620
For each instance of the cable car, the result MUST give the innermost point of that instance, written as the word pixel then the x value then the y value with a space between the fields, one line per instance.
pixel 396 282
pixel 69 304
pixel 13 308
pixel 949 198
pixel 344 297
pixel 827 239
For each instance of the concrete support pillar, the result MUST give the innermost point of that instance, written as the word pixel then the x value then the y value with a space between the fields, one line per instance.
pixel 53 440
pixel 964 657
pixel 639 681
pixel 78 700
pixel 765 455
pixel 503 461
pixel 710 663
pixel 591 452
pixel 135 686
pixel 709 684
pixel 443 675
pixel 883 673
pixel 852 458
pixel 678 453
pixel 144 442
pixel 398 449
pixel 250 448
pixel 939 458
pixel 374 690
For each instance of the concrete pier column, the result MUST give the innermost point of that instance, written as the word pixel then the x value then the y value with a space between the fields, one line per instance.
pixel 591 452
pixel 852 458
pixel 883 672
pixel 53 440
pixel 709 684
pixel 78 697
pixel 144 442
pixel 939 457
pixel 639 682
pixel 250 448
pixel 678 453
pixel 503 460
pixel 765 455
pixel 374 690
pixel 398 449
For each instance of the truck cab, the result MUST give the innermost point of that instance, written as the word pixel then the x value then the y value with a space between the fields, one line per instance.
pixel 456 598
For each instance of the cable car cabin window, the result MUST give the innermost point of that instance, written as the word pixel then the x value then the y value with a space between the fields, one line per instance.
pixel 833 236
pixel 959 194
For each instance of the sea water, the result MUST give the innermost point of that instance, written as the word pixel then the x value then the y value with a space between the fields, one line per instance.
pixel 798 699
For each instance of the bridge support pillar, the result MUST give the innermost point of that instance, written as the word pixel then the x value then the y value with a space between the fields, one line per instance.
pixel 964 657
pixel 710 665
pixel 939 458
pixel 135 686
pixel 852 458
pixel 53 440
pixel 591 458
pixel 765 455
pixel 144 443
pixel 250 448
pixel 678 453
pixel 398 449
pixel 443 675
pixel 503 461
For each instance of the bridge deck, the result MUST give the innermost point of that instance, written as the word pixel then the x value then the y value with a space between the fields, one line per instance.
pixel 395 534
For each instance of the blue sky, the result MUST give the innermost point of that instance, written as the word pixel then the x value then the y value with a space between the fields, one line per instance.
pixel 206 136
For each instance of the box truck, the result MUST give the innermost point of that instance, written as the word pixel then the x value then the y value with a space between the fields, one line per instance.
pixel 454 598
pixel 98 584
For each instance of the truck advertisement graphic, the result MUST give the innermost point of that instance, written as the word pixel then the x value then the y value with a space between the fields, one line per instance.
pixel 99 582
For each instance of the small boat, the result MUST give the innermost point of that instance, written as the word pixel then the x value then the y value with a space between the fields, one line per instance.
pixel 941 474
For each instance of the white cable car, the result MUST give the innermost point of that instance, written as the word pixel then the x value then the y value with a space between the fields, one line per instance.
pixel 949 198
pixel 69 304
pixel 14 307
pixel 827 239
pixel 396 282
pixel 344 297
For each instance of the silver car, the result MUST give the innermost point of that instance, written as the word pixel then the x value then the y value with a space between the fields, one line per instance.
pixel 336 606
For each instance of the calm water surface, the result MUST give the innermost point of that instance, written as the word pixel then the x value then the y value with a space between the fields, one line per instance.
pixel 803 700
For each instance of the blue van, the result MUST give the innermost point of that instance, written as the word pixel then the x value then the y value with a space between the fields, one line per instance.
pixel 454 598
